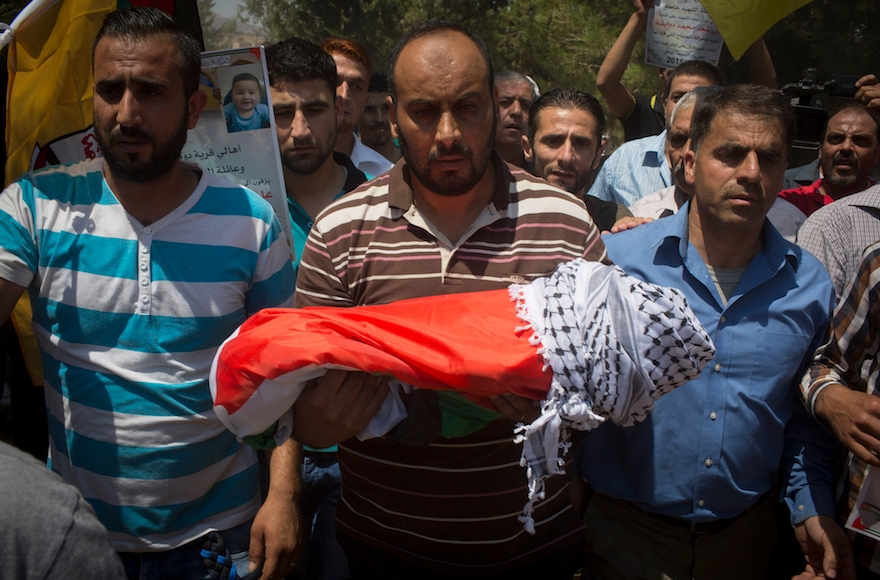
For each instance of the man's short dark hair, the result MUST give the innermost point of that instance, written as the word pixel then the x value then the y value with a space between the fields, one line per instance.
pixel 432 27
pixel 296 60
pixel 143 22
pixel 696 68
pixel 378 83
pixel 748 100
pixel 566 99
pixel 859 107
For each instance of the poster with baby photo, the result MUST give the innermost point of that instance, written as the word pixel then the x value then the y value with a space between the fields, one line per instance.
pixel 235 136
pixel 865 516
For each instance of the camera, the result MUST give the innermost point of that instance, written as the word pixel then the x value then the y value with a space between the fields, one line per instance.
pixel 812 118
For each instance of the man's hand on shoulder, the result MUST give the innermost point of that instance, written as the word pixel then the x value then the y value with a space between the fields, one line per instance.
pixel 628 223
pixel 339 406
pixel 826 549
pixel 854 417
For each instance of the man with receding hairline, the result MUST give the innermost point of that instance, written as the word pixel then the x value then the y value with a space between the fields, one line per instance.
pixel 848 153
pixel 516 93
pixel 441 495
pixel 699 502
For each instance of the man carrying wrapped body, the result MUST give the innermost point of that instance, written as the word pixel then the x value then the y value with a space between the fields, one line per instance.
pixel 588 342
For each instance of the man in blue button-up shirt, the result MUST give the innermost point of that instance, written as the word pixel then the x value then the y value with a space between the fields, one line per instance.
pixel 689 493
pixel 634 170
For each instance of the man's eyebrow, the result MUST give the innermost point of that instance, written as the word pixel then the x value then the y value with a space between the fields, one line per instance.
pixel 419 102
pixel 469 95
pixel 316 103
pixel 770 152
pixel 835 133
pixel 139 81
pixel 108 83
pixel 736 148
pixel 730 148
pixel 458 99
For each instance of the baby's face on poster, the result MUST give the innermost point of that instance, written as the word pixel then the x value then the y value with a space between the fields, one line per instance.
pixel 245 95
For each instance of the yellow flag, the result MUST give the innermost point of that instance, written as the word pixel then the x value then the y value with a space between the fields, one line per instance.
pixel 50 84
pixel 742 22
pixel 49 107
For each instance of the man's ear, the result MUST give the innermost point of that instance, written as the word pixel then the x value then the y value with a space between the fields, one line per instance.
pixel 597 160
pixel 690 160
pixel 339 105
pixel 392 115
pixel 527 148
pixel 195 106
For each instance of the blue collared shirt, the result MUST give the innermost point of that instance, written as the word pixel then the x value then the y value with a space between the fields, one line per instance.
pixel 713 447
pixel 634 170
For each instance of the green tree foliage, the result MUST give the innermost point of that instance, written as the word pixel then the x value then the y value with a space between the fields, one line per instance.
pixel 563 42
pixel 557 42
pixel 215 34
pixel 376 24
pixel 9 10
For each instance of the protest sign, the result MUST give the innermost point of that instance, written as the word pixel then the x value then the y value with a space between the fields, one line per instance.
pixel 679 31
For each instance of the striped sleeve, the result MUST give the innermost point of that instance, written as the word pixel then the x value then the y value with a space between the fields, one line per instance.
pixel 322 276
pixel 18 249
pixel 273 277
pixel 853 336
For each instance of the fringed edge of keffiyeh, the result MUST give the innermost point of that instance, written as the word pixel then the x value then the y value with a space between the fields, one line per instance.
pixel 533 434
pixel 518 297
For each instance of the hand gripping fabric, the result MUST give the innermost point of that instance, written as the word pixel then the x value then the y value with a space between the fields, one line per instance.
pixel 589 341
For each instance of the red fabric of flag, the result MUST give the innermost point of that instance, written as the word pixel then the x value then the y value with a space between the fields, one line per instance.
pixel 473 343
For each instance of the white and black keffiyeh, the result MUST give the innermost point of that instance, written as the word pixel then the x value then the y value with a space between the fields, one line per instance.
pixel 614 344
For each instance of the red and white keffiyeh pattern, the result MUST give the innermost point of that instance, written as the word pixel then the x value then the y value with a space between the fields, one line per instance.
pixel 589 341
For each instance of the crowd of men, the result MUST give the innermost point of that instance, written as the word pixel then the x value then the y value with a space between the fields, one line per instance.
pixel 443 177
